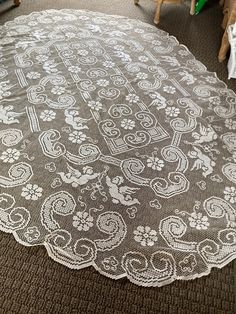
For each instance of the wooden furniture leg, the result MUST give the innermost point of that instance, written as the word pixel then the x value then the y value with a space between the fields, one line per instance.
pixel 17 2
pixel 158 11
pixel 229 18
pixel 159 5
pixel 192 8
pixel 224 47
pixel 225 19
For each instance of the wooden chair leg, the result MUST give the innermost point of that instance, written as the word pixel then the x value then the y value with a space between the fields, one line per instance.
pixel 225 19
pixel 158 11
pixel 225 39
pixel 224 47
pixel 192 8
pixel 17 2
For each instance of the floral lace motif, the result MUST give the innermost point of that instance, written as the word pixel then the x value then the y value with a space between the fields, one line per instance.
pixel 117 148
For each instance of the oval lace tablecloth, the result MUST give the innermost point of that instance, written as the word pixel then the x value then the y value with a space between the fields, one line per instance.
pixel 118 148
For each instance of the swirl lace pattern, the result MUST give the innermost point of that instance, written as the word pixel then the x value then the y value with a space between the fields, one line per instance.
pixel 117 148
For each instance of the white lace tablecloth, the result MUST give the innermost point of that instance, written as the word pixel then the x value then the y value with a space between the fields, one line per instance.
pixel 117 148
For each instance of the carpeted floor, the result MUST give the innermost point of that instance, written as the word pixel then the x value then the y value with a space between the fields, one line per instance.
pixel 30 282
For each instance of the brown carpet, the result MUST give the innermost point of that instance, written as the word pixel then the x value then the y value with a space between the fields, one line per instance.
pixel 30 282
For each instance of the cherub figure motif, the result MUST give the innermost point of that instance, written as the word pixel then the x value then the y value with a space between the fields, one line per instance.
pixel 202 162
pixel 121 194
pixel 207 134
pixel 116 33
pixel 76 178
pixel 72 118
pixel 171 60
pixel 4 89
pixel 187 77
pixel 7 116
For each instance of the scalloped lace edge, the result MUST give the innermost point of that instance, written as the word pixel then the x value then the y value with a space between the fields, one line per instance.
pixel 93 264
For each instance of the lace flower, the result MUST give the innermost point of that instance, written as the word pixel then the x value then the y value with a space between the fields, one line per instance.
pixel 169 89
pixel 108 64
pixel 77 137
pixel 143 58
pixel 47 115
pixel 82 221
pixel 230 124
pixel 58 90
pixel 198 221
pixel 33 75
pixel 230 194
pixel 31 192
pixel 127 124
pixel 82 52
pixel 155 163
pixel 132 98
pixel 74 69
pixel 10 155
pixel 95 105
pixel 145 236
pixel 172 111
pixel 141 76
pixel 102 83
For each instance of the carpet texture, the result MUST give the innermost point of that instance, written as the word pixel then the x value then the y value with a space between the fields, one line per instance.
pixel 32 283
